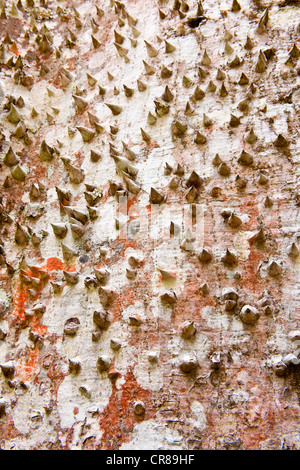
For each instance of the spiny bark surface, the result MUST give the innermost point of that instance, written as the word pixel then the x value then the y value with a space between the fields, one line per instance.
pixel 149 245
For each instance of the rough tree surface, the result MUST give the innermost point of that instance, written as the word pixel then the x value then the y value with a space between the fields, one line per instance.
pixel 149 252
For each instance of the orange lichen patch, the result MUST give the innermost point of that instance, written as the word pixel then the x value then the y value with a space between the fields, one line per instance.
pixel 21 293
pixel 28 368
pixel 37 327
pixel 130 202
pixel 55 264
pixel 20 297
pixel 118 419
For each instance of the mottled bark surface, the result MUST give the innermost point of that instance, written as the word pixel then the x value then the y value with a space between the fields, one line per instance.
pixel 149 256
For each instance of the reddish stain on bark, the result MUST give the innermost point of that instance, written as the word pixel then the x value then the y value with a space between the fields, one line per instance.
pixel 55 264
pixel 250 279
pixel 8 429
pixel 191 301
pixel 79 157
pixel 129 297
pixel 37 327
pixel 19 299
pixel 57 376
pixel 254 432
pixel 249 206
pixel 118 419
pixel 153 145
pixel 27 369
